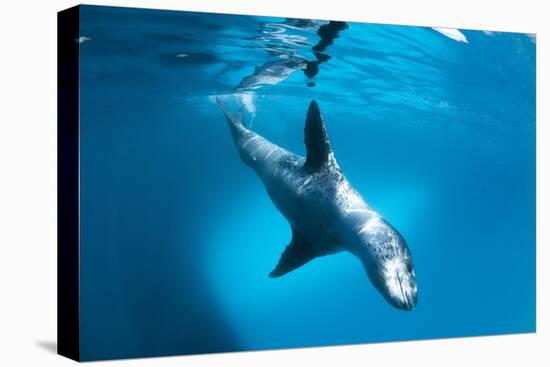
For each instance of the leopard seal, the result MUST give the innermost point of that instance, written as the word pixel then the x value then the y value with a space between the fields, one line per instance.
pixel 326 214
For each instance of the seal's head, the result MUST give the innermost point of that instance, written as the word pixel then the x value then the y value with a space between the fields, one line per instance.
pixel 390 265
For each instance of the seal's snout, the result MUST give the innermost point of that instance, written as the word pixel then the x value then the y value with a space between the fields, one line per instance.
pixel 407 299
pixel 399 283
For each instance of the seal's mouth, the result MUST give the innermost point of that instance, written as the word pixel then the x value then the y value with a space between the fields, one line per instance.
pixel 407 298
pixel 399 284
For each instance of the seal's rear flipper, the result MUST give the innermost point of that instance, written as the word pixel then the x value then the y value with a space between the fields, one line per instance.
pixel 296 254
pixel 236 119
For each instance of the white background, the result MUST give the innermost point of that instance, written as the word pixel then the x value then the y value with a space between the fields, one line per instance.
pixel 28 183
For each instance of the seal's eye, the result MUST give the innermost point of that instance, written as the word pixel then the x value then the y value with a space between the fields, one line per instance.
pixel 409 267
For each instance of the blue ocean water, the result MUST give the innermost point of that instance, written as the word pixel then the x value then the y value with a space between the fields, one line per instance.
pixel 435 128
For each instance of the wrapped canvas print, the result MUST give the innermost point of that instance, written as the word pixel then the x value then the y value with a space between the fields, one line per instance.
pixel 235 183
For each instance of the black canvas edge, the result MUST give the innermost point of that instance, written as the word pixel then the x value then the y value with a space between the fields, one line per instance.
pixel 68 211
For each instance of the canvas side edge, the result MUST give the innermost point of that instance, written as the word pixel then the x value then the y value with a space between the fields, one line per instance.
pixel 68 208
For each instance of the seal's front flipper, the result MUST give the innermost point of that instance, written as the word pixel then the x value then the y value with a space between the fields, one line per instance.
pixel 296 254
pixel 319 151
